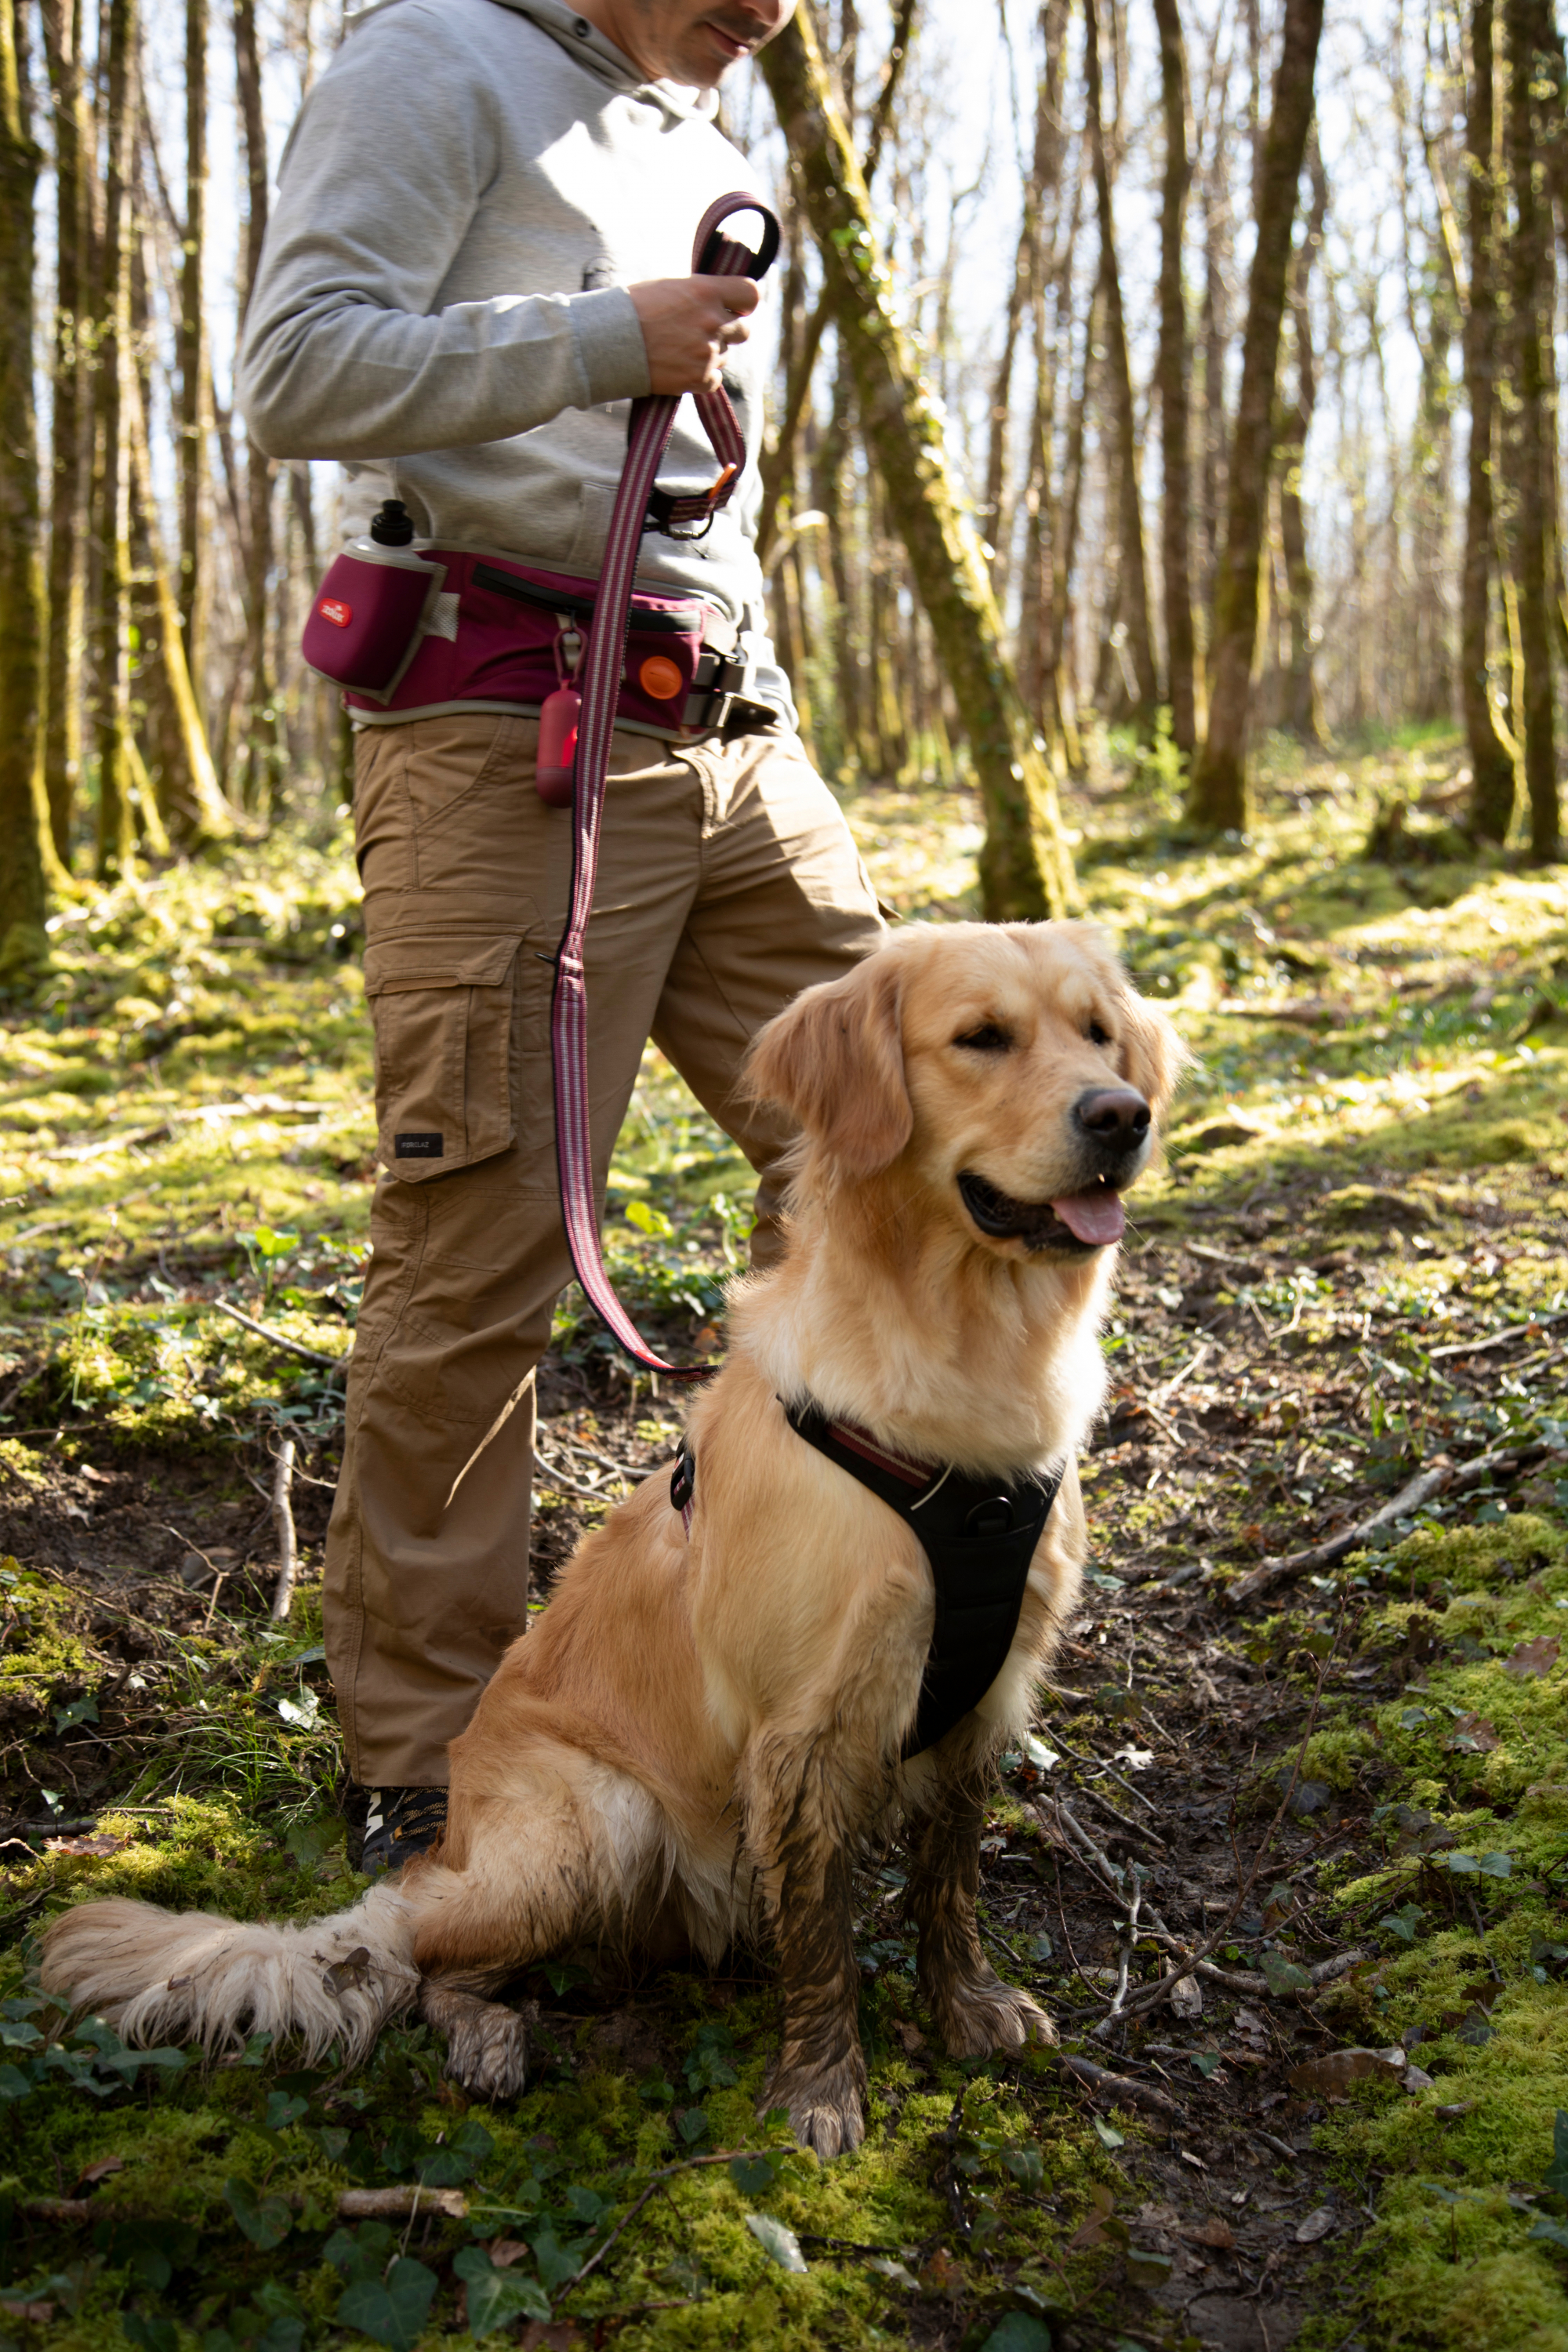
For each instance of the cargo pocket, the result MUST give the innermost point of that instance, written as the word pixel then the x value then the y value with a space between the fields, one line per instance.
pixel 442 1013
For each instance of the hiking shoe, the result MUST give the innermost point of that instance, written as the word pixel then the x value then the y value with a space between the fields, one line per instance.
pixel 401 1822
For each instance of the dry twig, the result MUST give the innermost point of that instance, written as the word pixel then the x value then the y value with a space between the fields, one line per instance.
pixel 283 1520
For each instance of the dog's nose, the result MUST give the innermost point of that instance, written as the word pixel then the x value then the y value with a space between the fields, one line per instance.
pixel 1116 1118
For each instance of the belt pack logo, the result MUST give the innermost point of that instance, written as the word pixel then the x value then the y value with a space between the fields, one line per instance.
pixel 420 1146
pixel 334 609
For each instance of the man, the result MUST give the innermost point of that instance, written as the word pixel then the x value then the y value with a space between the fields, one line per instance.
pixel 474 263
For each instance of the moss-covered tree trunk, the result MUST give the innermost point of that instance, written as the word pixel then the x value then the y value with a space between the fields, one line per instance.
pixel 113 633
pixel 1532 286
pixel 1172 374
pixel 24 946
pixel 264 753
pixel 69 422
pixel 191 354
pixel 1134 565
pixel 1300 712
pixel 1219 798
pixel 1026 869
pixel 1491 763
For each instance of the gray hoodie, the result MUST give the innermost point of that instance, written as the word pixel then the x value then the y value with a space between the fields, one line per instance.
pixel 468 191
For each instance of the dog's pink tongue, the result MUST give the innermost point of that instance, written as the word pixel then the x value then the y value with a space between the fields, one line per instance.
pixel 1098 1216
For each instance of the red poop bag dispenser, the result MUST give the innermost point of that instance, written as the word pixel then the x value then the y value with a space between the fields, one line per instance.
pixel 366 620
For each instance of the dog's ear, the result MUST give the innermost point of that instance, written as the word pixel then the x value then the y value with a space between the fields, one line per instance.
pixel 1156 1056
pixel 834 1060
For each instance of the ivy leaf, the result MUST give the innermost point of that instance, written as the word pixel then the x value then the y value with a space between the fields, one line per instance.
pixel 557 2264
pixel 752 2174
pixel 459 2160
pixel 1556 2176
pixel 495 2298
pixel 1496 1866
pixel 304 1712
pixel 1108 2134
pixel 282 2110
pixel 153 2335
pixel 80 1710
pixel 1019 2331
pixel 392 2311
pixel 266 2222
pixel 1282 1976
pixel 777 2242
pixel 1554 2232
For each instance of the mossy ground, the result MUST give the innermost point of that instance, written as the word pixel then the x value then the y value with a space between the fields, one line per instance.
pixel 1367 1176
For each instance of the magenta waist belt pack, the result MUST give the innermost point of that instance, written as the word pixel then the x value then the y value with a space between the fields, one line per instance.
pixel 401 629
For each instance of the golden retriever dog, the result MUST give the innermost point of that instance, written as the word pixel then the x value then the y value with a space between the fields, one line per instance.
pixel 709 1726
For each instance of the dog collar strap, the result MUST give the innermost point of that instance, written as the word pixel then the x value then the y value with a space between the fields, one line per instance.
pixel 652 419
pixel 979 1535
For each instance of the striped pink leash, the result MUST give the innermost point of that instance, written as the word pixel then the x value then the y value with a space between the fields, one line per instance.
pixel 652 422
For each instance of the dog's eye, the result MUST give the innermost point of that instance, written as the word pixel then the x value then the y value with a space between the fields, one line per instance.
pixel 989 1038
pixel 1097 1035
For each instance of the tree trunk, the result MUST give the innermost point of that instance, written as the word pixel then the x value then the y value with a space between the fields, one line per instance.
pixel 189 793
pixel 1532 280
pixel 24 815
pixel 1300 714
pixel 69 419
pixel 827 494
pixel 262 758
pixel 1491 765
pixel 1025 868
pixel 191 356
pixel 115 781
pixel 1219 798
pixel 1133 567
pixel 1175 418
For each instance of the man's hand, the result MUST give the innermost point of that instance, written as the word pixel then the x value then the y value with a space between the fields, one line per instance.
pixel 688 324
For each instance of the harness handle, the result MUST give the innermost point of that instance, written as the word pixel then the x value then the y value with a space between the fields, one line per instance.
pixel 648 437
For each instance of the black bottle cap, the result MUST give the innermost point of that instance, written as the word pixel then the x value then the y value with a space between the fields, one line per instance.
pixel 391 525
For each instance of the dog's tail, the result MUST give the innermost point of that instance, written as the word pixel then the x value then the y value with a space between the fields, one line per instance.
pixel 169 1976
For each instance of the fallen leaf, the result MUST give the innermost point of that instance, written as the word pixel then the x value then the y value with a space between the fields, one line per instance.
pixel 1472 1735
pixel 1338 2069
pixel 777 2241
pixel 1316 2225
pixel 103 1844
pixel 1147 2269
pixel 1417 2079
pixel 504 2251
pixel 1194 2160
pixel 1215 2233
pixel 350 1973
pixel 942 2275
pixel 1537 1657
pixel 98 2172
pixel 1187 1998
pixel 909 2035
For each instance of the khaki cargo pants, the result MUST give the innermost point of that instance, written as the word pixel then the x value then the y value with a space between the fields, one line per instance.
pixel 727 881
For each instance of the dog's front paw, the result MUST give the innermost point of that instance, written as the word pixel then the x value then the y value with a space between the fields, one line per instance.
pixel 487 2043
pixel 825 2109
pixel 976 2021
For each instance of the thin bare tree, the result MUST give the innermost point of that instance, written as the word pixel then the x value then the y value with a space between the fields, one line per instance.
pixel 1026 866
pixel 1218 798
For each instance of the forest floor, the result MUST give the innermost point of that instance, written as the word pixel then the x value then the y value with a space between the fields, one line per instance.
pixel 1344 1781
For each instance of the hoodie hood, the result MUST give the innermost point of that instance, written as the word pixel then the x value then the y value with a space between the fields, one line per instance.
pixel 590 48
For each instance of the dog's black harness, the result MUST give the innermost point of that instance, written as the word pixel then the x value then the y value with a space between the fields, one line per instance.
pixel 979 1535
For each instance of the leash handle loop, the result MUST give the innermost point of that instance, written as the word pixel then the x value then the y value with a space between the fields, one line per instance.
pixel 599 676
